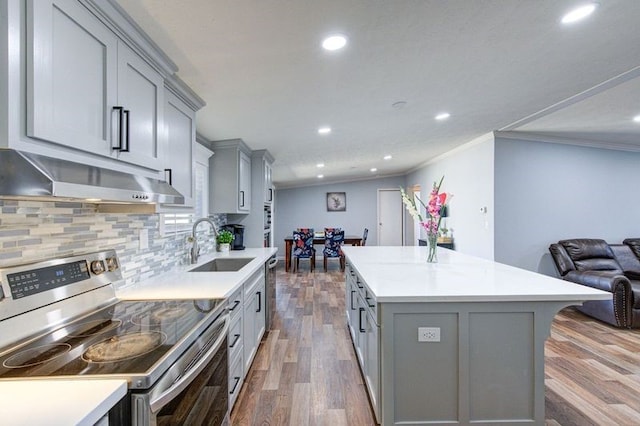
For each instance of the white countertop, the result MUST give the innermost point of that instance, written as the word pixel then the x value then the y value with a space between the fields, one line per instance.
pixel 84 402
pixel 402 274
pixel 181 284
pixel 58 402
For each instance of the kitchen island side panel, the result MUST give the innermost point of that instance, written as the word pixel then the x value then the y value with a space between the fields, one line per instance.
pixel 488 367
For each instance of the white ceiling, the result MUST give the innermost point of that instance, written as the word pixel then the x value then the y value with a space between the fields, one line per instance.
pixel 493 64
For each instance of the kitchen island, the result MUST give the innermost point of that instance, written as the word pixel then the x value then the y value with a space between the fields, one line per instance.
pixel 457 342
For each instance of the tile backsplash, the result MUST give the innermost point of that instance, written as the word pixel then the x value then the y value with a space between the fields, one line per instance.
pixel 31 231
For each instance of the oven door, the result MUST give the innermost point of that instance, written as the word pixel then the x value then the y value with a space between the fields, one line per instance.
pixel 194 391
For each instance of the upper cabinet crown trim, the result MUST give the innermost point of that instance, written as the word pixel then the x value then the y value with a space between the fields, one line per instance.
pixel 179 88
pixel 232 143
pixel 114 17
pixel 263 153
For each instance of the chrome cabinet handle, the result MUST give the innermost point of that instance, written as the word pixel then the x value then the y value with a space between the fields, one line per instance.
pixel 259 301
pixel 362 330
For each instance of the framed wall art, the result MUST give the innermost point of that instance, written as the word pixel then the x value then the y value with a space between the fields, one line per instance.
pixel 336 201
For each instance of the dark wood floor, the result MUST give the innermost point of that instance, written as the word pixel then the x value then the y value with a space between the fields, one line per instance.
pixel 306 373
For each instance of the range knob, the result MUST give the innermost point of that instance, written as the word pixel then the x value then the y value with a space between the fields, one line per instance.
pixel 97 267
pixel 112 264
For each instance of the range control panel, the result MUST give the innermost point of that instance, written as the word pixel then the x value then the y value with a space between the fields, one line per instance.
pixel 30 286
pixel 35 281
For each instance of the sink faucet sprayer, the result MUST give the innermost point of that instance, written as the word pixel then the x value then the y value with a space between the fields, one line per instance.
pixel 195 250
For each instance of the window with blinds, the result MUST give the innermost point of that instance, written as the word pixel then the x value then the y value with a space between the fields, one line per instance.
pixel 173 223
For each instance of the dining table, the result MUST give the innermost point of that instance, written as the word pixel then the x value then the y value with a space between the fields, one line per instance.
pixel 354 240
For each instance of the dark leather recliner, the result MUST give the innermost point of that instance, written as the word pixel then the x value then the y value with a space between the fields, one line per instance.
pixel 610 267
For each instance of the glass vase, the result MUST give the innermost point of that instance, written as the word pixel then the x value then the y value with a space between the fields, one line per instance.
pixel 432 256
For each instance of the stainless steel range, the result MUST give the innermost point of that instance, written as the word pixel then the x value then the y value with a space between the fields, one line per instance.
pixel 61 318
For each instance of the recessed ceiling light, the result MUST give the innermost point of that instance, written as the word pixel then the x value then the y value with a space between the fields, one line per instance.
pixel 373 169
pixel 387 157
pixel 320 165
pixel 334 42
pixel 636 118
pixel 579 13
pixel 443 116
pixel 324 130
pixel 320 176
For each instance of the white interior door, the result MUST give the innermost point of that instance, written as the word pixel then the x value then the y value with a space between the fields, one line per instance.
pixel 390 218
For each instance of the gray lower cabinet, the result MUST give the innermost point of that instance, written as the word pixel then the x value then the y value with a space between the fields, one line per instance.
pixel 87 90
pixel 235 341
pixel 486 365
pixel 362 319
pixel 246 328
pixel 254 316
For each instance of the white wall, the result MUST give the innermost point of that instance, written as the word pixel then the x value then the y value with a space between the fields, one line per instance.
pixel 468 175
pixel 546 192
pixel 306 207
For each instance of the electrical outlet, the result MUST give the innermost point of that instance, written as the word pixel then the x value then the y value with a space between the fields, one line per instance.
pixel 428 334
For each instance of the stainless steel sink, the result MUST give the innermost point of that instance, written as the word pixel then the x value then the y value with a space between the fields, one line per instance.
pixel 223 264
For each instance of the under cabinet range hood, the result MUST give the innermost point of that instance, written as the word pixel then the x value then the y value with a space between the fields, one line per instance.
pixel 31 176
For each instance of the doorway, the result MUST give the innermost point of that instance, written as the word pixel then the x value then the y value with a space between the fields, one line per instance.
pixel 390 218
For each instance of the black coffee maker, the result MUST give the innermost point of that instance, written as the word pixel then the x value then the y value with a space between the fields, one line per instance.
pixel 238 235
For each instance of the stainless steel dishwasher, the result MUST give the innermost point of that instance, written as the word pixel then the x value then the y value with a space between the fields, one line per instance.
pixel 270 274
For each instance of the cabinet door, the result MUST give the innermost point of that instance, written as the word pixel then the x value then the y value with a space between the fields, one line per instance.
pixel 71 76
pixel 141 94
pixel 180 133
pixel 268 183
pixel 244 182
pixel 236 376
pixel 352 309
pixel 249 329
pixel 260 313
pixel 371 361
pixel 360 332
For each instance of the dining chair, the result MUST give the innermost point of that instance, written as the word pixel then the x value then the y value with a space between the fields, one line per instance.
pixel 333 239
pixel 303 247
pixel 364 236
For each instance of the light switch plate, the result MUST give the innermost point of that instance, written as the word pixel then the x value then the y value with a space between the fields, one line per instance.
pixel 144 239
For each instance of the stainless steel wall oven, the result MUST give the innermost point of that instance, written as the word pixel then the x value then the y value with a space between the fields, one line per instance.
pixel 60 318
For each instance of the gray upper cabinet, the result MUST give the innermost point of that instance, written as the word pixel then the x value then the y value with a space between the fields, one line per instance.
pixel 72 76
pixel 230 177
pixel 141 95
pixel 268 181
pixel 180 123
pixel 87 89
pixel 82 82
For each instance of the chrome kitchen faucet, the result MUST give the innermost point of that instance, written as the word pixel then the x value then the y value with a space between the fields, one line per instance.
pixel 195 250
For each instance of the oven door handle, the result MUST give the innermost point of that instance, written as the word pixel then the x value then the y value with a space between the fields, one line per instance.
pixel 196 368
